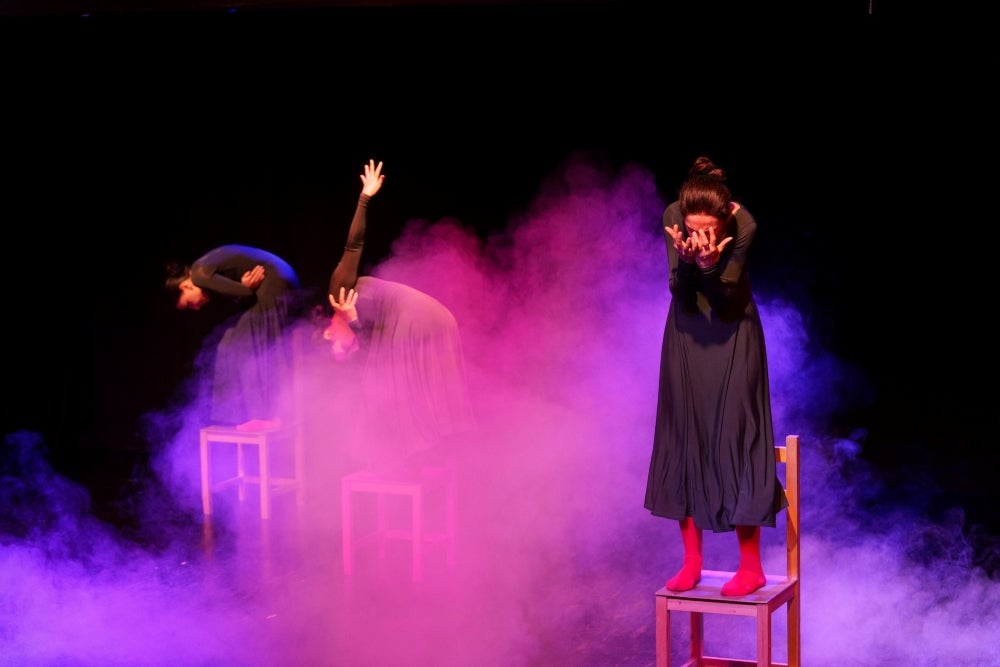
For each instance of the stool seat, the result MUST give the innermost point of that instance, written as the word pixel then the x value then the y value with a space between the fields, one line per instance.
pixel 416 485
pixel 262 435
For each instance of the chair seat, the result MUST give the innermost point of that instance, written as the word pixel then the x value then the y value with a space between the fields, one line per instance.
pixel 709 590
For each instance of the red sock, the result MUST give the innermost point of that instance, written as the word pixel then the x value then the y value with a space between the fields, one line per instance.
pixel 750 574
pixel 690 572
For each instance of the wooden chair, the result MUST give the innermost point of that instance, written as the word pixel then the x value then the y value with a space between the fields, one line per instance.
pixel 780 590
pixel 274 444
pixel 417 486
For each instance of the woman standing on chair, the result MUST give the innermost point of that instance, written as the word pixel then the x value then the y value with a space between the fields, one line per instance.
pixel 412 373
pixel 712 465
pixel 252 358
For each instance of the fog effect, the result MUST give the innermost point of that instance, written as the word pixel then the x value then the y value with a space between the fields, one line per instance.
pixel 557 562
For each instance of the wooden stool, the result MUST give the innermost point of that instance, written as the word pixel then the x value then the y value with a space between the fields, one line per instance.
pixel 263 438
pixel 417 486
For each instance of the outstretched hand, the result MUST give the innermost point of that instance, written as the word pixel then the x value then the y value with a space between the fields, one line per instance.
pixel 253 278
pixel 372 179
pixel 346 303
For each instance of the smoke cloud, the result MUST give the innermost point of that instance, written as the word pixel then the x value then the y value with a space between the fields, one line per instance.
pixel 557 562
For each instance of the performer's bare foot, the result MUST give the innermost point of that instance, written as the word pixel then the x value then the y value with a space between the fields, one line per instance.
pixel 688 576
pixel 743 583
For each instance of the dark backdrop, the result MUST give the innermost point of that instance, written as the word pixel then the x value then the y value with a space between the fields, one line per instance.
pixel 861 133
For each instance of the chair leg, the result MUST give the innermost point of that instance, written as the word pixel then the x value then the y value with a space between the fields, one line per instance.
pixel 450 520
pixel 265 478
pixel 300 473
pixel 662 633
pixel 206 476
pixel 418 534
pixel 347 530
pixel 697 637
pixel 794 645
pixel 381 524
pixel 763 636
pixel 241 472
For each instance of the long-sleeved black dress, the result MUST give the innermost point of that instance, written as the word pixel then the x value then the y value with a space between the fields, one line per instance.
pixel 413 377
pixel 713 445
pixel 253 356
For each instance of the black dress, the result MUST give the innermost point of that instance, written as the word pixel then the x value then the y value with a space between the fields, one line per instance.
pixel 713 446
pixel 412 372
pixel 253 357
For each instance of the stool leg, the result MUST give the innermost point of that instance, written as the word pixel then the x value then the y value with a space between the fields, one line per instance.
pixel 450 520
pixel 346 529
pixel 265 478
pixel 240 473
pixel 380 524
pixel 206 475
pixel 300 470
pixel 418 533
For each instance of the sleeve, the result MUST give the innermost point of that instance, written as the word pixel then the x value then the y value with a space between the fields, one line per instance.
pixel 726 284
pixel 684 276
pixel 345 274
pixel 205 273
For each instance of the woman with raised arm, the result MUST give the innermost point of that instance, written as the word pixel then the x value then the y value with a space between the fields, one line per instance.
pixel 413 380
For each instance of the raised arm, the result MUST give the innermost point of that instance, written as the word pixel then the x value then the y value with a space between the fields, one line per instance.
pixel 345 274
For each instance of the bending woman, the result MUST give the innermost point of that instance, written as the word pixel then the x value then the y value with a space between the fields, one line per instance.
pixel 252 359
pixel 413 379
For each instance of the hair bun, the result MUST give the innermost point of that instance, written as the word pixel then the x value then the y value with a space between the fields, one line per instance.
pixel 703 166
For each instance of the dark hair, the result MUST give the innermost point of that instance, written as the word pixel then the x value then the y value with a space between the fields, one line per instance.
pixel 705 191
pixel 176 274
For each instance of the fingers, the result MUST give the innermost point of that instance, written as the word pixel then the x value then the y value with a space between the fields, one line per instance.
pixel 346 300
pixel 700 246
pixel 373 170
pixel 253 278
pixel 372 179
pixel 350 299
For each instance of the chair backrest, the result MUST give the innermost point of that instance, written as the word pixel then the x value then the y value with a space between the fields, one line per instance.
pixel 788 454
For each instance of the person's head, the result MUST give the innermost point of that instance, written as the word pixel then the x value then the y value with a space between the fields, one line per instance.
pixel 343 341
pixel 181 290
pixel 705 199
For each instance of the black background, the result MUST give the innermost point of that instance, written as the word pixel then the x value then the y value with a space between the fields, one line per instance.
pixel 859 133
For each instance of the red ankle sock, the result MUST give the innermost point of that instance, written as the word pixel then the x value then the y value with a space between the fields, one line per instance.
pixel 743 583
pixel 688 576
pixel 750 574
pixel 690 572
